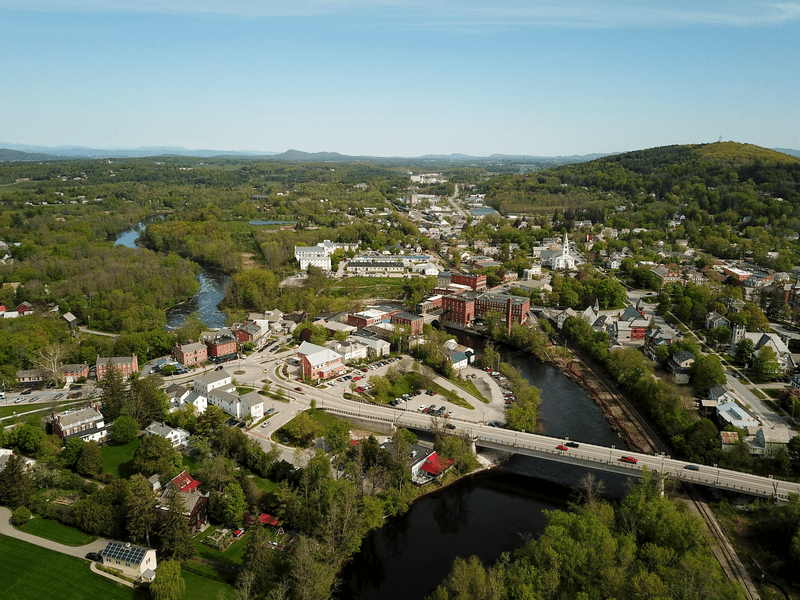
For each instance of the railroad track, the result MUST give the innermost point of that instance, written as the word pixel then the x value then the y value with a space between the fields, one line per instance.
pixel 723 550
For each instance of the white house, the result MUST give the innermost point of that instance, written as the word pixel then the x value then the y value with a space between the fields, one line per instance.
pixel 134 561
pixel 178 437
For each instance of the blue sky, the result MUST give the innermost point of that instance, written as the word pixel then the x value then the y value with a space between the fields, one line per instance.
pixel 399 77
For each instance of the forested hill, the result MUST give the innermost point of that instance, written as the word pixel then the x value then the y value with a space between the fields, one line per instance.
pixel 722 190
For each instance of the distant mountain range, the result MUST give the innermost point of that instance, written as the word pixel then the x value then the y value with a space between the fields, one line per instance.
pixel 28 153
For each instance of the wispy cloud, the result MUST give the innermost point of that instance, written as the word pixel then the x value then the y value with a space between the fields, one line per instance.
pixel 549 13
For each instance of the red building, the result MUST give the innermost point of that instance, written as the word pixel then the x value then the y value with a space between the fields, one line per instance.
pixel 415 322
pixel 476 282
pixel 369 317
pixel 459 309
pixel 190 354
pixel 71 373
pixel 520 306
pixel 220 346
pixel 127 365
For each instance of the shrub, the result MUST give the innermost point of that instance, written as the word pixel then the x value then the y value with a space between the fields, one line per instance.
pixel 20 516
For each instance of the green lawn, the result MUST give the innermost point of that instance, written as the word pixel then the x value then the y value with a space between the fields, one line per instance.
pixel 265 485
pixel 469 386
pixel 41 409
pixel 55 531
pixel 198 588
pixel 119 459
pixel 33 573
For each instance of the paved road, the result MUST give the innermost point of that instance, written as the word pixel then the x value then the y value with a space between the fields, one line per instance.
pixel 6 528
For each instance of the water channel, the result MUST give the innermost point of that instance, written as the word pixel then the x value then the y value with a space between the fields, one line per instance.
pixel 205 302
pixel 488 513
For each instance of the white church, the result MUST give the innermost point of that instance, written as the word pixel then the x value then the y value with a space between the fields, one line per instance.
pixel 559 259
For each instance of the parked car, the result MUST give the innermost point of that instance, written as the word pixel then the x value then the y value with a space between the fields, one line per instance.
pixel 94 556
pixel 629 459
pixel 421 408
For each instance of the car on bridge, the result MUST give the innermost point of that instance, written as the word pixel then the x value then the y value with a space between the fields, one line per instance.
pixel 692 467
pixel 562 447
pixel 573 444
pixel 298 389
pixel 629 459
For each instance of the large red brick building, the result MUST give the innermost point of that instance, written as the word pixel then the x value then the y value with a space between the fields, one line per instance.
pixel 459 309
pixel 221 346
pixel 415 322
pixel 476 282
pixel 520 306
pixel 127 365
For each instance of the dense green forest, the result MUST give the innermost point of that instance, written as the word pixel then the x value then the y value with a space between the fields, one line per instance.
pixel 646 547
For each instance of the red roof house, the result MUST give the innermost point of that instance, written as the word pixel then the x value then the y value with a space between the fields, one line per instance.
pixel 435 465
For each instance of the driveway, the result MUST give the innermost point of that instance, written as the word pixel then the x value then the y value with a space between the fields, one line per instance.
pixel 6 528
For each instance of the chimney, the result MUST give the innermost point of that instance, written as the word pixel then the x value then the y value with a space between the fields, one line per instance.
pixel 508 316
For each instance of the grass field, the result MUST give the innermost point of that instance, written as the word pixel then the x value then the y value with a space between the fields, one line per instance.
pixel 118 460
pixel 33 573
pixel 55 531
pixel 469 386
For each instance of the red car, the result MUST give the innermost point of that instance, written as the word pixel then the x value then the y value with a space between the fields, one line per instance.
pixel 629 459
pixel 356 378
pixel 562 447
pixel 298 389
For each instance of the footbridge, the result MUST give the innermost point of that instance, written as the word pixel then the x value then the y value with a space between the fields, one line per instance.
pixel 589 456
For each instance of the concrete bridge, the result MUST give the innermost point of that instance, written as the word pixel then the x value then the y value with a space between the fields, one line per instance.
pixel 585 455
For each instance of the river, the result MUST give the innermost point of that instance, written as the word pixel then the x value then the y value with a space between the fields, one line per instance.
pixel 488 513
pixel 205 302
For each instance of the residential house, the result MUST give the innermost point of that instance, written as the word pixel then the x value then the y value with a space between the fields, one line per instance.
pixel 768 441
pixel 661 335
pixel 178 437
pixel 714 320
pixel 728 440
pixel 195 504
pixel 429 467
pixel 86 423
pixel 135 562
pixel 762 340
pixel 667 275
pixel 680 365
pixel 731 413
pixel 720 395
pixel 26 308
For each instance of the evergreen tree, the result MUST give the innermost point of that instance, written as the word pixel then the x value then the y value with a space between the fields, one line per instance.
pixel 176 538
pixel 113 393
pixel 142 509
pixel 16 483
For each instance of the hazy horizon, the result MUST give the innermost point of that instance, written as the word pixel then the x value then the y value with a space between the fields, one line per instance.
pixel 399 78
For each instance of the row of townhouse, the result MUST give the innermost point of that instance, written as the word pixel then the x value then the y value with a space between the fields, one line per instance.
pixel 70 373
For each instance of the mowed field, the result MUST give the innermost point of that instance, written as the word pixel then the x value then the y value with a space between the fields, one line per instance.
pixel 29 572
pixel 33 573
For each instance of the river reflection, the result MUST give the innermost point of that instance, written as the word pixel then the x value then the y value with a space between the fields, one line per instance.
pixel 489 513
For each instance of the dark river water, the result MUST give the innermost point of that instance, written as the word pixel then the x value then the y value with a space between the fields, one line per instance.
pixel 205 303
pixel 488 513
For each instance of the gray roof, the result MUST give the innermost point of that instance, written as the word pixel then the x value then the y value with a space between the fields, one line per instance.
pixel 213 376
pixel 84 415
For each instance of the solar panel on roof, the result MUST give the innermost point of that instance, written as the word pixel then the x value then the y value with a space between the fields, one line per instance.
pixel 121 552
